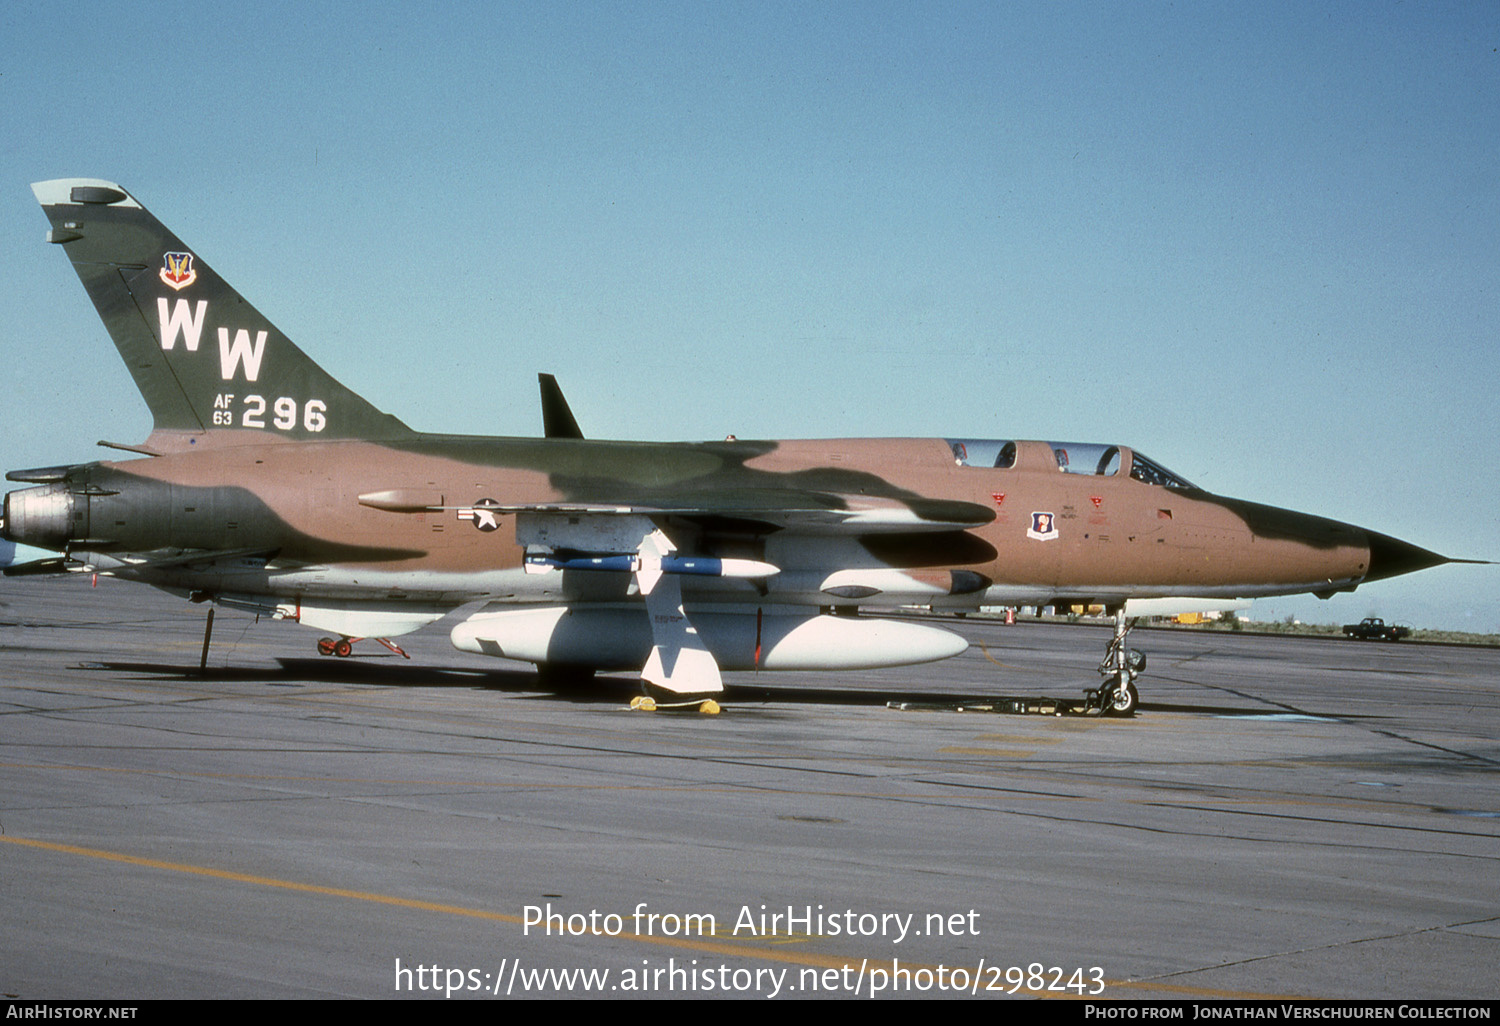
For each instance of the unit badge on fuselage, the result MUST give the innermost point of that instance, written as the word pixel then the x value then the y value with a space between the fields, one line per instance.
pixel 1043 527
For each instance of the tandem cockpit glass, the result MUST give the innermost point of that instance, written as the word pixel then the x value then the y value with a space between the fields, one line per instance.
pixel 1084 458
pixel 983 452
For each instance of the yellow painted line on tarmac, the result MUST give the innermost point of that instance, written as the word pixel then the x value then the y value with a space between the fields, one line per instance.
pixel 248 878
pixel 712 946
pixel 739 950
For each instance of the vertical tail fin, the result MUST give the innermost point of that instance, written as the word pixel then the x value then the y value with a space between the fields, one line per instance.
pixel 208 364
pixel 557 416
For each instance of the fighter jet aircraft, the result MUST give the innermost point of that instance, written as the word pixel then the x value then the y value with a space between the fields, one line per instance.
pixel 266 485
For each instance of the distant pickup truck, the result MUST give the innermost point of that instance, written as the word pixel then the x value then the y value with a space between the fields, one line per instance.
pixel 1372 628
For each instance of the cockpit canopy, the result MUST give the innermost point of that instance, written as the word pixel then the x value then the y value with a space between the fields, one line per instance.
pixel 1087 458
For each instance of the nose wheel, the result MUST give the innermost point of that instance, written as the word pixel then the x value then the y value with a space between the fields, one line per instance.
pixel 1118 701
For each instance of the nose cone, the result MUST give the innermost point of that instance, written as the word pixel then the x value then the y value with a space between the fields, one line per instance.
pixel 1392 557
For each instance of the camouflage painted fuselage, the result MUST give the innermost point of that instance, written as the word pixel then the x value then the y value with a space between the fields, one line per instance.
pixel 299 505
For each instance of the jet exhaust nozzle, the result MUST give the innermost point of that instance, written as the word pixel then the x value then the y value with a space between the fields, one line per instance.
pixel 44 516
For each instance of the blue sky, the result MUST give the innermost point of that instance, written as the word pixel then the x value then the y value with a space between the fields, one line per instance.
pixel 1260 242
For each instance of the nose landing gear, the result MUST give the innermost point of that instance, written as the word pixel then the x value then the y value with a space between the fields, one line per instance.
pixel 1120 668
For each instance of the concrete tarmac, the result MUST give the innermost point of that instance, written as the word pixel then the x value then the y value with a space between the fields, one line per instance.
pixel 1284 817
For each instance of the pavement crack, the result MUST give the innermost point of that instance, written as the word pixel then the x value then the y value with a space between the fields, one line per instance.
pixel 1334 946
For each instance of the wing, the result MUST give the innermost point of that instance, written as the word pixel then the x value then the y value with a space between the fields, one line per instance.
pixel 642 539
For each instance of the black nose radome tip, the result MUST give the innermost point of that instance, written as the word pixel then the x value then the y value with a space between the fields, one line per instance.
pixel 1392 557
